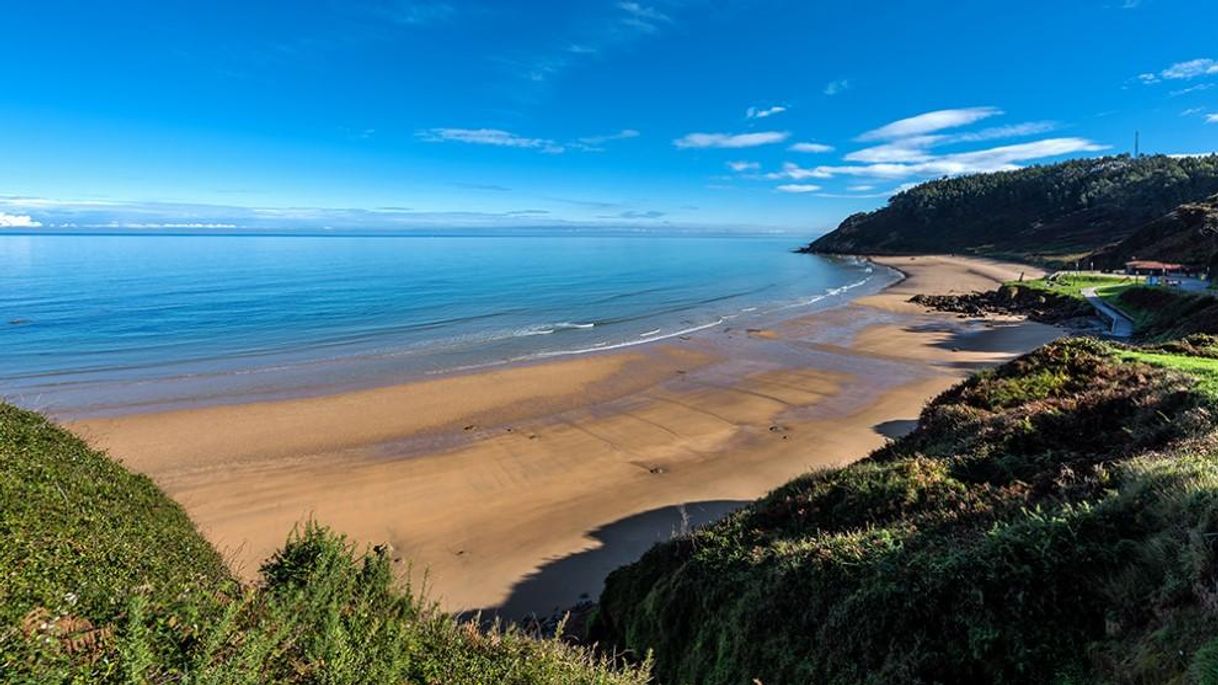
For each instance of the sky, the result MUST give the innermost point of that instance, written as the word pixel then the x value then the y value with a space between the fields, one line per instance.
pixel 738 114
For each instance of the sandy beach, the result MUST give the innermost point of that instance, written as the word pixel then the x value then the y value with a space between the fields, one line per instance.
pixel 518 489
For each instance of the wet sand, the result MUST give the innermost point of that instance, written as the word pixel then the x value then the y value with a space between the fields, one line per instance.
pixel 518 489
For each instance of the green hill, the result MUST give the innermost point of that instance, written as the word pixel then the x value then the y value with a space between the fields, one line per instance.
pixel 1052 521
pixel 1187 235
pixel 1048 214
pixel 103 579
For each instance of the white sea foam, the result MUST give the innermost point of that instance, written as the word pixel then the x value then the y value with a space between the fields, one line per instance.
pixel 832 292
pixel 602 346
pixel 364 334
pixel 525 332
pixel 546 329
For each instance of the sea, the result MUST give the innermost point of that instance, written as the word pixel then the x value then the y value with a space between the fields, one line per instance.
pixel 93 325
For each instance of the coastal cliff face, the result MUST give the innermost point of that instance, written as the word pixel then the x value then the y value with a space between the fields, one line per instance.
pixel 1053 214
pixel 1053 520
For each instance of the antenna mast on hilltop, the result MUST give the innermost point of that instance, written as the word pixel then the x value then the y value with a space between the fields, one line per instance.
pixel 1137 144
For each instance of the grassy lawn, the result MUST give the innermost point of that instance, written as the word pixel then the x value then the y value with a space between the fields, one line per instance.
pixel 1072 285
pixel 1205 370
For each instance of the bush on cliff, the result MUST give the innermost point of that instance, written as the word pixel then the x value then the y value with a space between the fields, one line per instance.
pixel 103 579
pixel 1054 520
pixel 1167 314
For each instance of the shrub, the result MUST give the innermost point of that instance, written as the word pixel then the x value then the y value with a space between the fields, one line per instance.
pixel 105 580
pixel 1054 520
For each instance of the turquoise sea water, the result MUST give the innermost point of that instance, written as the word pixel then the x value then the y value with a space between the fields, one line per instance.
pixel 100 324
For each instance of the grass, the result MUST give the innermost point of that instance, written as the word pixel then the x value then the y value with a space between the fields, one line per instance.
pixel 76 526
pixel 1052 520
pixel 1204 369
pixel 1072 284
pixel 1157 313
pixel 103 579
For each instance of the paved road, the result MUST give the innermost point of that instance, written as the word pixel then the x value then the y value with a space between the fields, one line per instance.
pixel 1122 326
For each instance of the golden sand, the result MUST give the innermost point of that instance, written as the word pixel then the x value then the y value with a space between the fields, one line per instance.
pixel 521 487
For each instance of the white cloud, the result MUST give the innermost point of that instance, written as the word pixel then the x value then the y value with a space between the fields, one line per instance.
pixel 18 221
pixel 642 17
pixel 916 148
pixel 797 173
pixel 626 24
pixel 488 136
pixel 1049 147
pixel 112 215
pixel 754 113
pixel 593 143
pixel 1183 71
pixel 1192 89
pixel 810 147
pixel 930 122
pixel 993 159
pixel 835 87
pixel 172 224
pixel 855 196
pixel 1029 128
pixel 913 149
pixel 1211 118
pixel 740 167
pixel 861 188
pixel 419 12
pixel 730 140
pixel 501 138
pixel 798 188
pixel 358 133
pixel 638 214
pixel 1190 69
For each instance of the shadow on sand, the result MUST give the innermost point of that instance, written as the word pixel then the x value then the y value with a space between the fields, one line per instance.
pixel 897 428
pixel 562 583
pixel 993 338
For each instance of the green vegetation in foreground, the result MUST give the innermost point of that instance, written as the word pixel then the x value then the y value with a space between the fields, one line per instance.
pixel 1053 214
pixel 103 579
pixel 1054 520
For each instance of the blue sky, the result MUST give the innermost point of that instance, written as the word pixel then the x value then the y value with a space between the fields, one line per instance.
pixel 749 114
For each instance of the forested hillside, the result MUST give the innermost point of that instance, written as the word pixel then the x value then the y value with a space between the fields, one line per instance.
pixel 1188 234
pixel 1049 214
